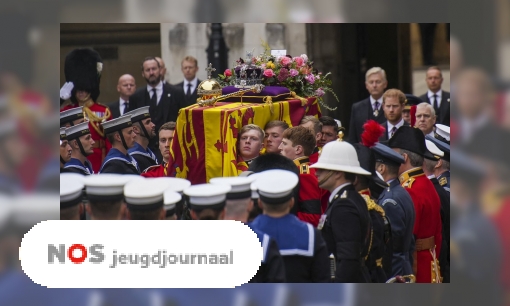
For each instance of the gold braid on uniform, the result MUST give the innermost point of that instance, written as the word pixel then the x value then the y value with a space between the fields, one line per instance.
pixel 372 205
pixel 92 117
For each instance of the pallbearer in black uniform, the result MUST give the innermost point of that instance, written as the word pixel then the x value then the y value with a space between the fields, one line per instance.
pixel 105 193
pixel 82 144
pixel 71 194
pixel 119 132
pixel 346 224
pixel 238 206
pixel 65 148
pixel 145 130
pixel 145 198
pixel 379 259
pixel 304 252
pixel 207 201
pixel 399 209
pixel 430 163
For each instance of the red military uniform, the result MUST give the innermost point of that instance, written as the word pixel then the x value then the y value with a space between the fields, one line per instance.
pixel 96 113
pixel 156 171
pixel 427 225
pixel 309 202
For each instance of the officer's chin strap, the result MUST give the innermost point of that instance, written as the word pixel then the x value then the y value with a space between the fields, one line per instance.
pixel 324 179
pixel 144 130
pixel 81 147
pixel 123 140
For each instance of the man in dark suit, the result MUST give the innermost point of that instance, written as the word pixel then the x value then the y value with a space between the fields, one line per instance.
pixel 126 87
pixel 369 108
pixel 436 97
pixel 393 105
pixel 164 100
pixel 189 67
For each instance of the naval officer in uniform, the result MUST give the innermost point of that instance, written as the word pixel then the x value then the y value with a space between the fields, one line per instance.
pixel 346 224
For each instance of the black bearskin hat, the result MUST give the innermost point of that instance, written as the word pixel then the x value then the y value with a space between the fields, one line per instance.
pixel 83 67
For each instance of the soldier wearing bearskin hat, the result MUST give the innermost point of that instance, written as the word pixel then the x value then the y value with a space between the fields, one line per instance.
pixel 83 73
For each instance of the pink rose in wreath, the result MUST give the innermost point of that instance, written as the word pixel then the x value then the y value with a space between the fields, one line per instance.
pixel 268 73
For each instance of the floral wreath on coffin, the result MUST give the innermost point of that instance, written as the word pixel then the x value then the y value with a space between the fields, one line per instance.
pixel 295 73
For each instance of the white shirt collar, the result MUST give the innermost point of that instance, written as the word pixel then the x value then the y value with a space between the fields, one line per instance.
pixel 372 101
pixel 158 87
pixel 398 125
pixel 337 189
pixel 431 176
pixel 438 94
pixel 193 82
pixel 431 134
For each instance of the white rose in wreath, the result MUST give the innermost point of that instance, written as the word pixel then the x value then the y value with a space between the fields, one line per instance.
pixel 99 67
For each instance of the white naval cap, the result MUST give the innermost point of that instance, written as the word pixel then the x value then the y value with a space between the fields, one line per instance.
pixel 443 131
pixel 204 196
pixel 71 176
pixel 77 131
pixel 146 194
pixel 70 193
pixel 276 186
pixel 107 186
pixel 176 184
pixel 435 152
pixel 68 116
pixel 241 186
pixel 62 134
pixel 170 199
pixel 116 124
pixel 139 114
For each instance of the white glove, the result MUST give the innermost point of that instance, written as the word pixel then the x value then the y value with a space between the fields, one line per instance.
pixel 65 91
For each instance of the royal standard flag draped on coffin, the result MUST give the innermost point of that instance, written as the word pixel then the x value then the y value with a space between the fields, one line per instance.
pixel 205 139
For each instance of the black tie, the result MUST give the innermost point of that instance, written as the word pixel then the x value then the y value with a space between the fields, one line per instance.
pixel 154 98
pixel 126 107
pixel 188 92
pixel 436 107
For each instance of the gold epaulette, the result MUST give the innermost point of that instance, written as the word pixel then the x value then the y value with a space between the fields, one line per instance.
pixel 443 181
pixel 303 164
pixel 372 205
pixel 408 183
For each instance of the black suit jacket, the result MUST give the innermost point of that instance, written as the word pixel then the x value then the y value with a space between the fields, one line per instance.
pixel 193 98
pixel 361 112
pixel 384 137
pixel 444 108
pixel 172 101
pixel 114 108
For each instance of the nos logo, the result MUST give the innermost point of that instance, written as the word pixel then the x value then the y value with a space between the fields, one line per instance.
pixel 77 253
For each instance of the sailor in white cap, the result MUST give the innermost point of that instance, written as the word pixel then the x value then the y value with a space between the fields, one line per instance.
pixel 119 132
pixel 145 198
pixel 346 224
pixel 238 207
pixel 71 117
pixel 105 193
pixel 71 194
pixel 207 201
pixel 145 130
pixel 178 185
pixel 170 200
pixel 442 133
pixel 430 163
pixel 82 145
pixel 65 148
pixel 304 251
